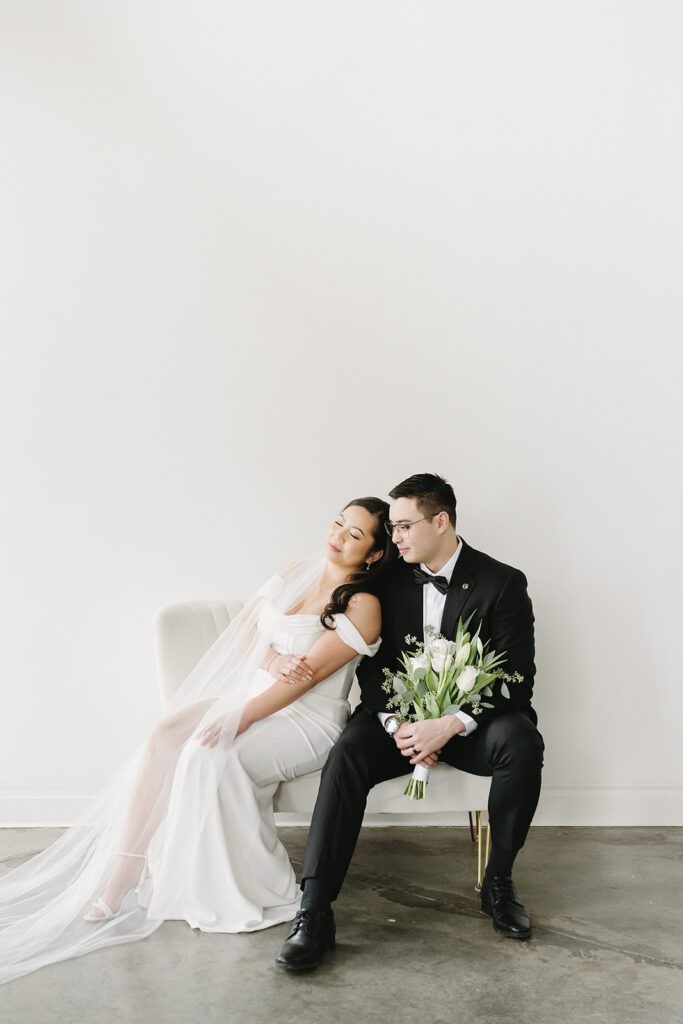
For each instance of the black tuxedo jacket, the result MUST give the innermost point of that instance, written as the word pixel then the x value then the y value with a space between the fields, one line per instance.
pixel 495 592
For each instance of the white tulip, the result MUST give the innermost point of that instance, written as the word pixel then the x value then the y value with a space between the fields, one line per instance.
pixel 442 646
pixel 480 647
pixel 462 655
pixel 441 662
pixel 467 678
pixel 421 663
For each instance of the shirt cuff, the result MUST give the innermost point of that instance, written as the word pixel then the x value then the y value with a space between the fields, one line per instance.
pixel 470 724
pixel 383 715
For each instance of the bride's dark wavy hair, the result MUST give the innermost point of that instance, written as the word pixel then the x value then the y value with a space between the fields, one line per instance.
pixel 366 580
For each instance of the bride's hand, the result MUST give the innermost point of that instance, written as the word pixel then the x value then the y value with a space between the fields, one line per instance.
pixel 210 735
pixel 290 668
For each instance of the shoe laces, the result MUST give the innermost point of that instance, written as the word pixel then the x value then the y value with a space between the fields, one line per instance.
pixel 303 921
pixel 502 885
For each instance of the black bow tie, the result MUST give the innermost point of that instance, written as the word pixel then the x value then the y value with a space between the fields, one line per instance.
pixel 440 582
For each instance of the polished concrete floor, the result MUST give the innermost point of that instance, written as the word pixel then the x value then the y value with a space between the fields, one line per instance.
pixel 413 945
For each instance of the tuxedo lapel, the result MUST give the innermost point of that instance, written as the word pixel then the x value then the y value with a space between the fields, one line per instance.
pixel 460 589
pixel 410 620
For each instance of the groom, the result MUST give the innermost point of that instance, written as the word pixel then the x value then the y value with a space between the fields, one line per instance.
pixel 438 579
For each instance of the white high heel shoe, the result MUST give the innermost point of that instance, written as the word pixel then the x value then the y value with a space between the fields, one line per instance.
pixel 100 903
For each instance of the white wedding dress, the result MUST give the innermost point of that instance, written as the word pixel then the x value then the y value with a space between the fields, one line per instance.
pixel 237 876
pixel 203 815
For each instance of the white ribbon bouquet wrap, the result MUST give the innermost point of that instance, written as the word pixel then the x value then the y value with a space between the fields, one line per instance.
pixel 441 675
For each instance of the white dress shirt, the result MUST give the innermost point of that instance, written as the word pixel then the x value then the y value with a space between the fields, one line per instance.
pixel 433 603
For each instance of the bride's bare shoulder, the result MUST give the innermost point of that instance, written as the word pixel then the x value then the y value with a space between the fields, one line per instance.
pixel 365 613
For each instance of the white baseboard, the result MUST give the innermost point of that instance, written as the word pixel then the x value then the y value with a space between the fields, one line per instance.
pixel 577 805
pixel 585 806
pixel 42 809
pixel 610 805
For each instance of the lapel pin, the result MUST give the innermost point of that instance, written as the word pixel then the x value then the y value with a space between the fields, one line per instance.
pixel 465 586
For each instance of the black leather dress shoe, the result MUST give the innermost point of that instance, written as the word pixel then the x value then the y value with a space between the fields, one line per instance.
pixel 312 934
pixel 499 901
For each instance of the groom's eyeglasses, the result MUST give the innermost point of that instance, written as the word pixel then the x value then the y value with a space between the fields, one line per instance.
pixel 403 529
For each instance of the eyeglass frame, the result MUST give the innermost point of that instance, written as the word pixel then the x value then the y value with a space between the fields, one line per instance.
pixel 405 527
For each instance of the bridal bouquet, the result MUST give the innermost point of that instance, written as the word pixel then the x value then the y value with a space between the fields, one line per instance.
pixel 439 677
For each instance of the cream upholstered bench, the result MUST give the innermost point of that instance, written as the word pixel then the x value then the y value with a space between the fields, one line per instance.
pixel 184 632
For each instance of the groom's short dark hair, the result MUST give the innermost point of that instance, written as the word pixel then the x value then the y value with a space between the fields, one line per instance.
pixel 433 494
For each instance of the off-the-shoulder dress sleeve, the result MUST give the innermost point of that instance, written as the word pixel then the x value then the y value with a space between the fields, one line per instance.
pixel 352 636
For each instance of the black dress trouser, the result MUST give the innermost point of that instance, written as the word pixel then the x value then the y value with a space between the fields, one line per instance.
pixel 509 748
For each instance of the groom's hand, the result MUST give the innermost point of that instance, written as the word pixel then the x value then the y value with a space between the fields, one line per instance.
pixel 422 740
pixel 405 746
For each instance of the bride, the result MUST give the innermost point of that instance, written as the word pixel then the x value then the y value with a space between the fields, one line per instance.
pixel 185 828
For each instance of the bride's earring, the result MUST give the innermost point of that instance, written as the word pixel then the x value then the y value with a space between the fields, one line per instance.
pixel 367 567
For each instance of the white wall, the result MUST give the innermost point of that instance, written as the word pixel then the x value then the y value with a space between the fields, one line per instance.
pixel 260 258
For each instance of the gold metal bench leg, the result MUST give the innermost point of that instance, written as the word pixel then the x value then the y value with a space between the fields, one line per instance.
pixel 472 831
pixel 482 857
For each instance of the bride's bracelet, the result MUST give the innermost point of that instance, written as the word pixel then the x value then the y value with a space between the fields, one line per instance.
pixel 276 655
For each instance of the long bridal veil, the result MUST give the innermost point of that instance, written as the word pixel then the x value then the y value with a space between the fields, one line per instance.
pixel 42 901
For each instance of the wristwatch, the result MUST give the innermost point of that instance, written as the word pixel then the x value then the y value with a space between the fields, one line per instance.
pixel 391 725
